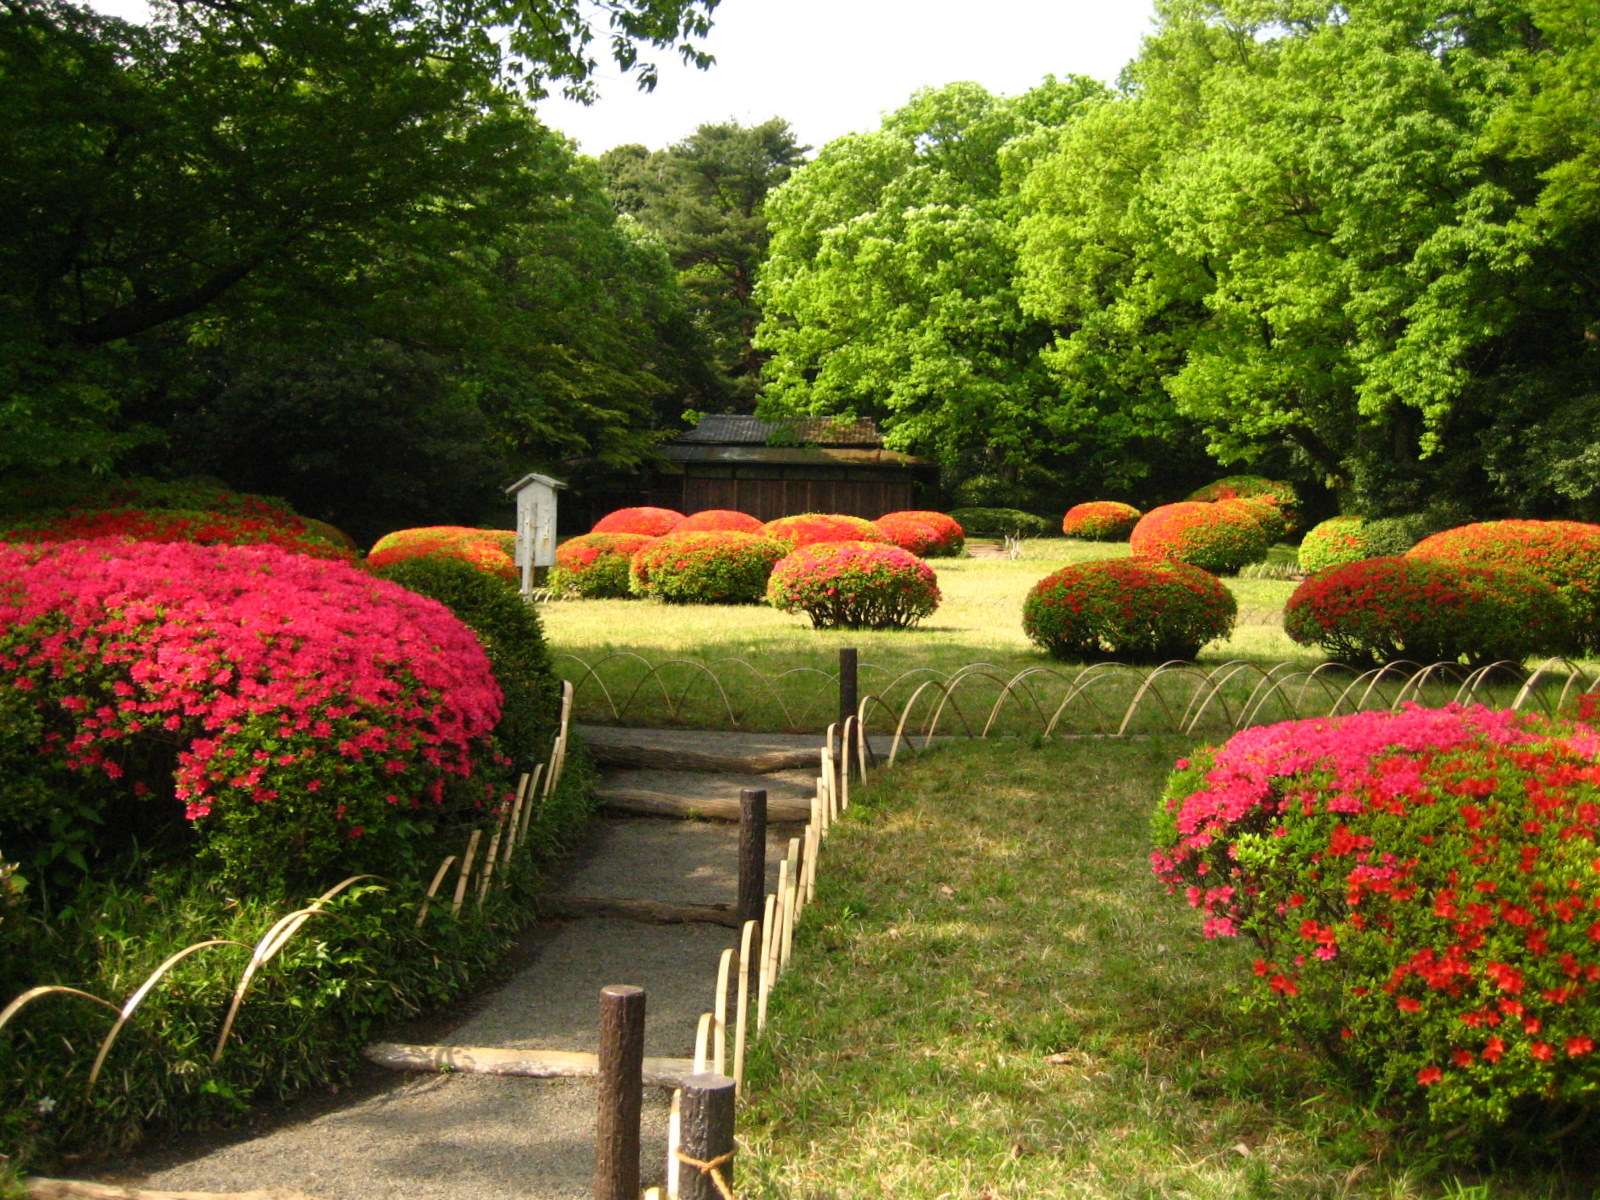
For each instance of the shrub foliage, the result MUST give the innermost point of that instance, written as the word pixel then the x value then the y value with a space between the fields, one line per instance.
pixel 491 551
pixel 854 585
pixel 1422 890
pixel 706 568
pixel 809 529
pixel 945 539
pixel 243 527
pixel 1001 522
pixel 596 565
pixel 1136 610
pixel 1565 554
pixel 1382 609
pixel 1235 487
pixel 1332 543
pixel 1219 538
pixel 652 522
pixel 1100 520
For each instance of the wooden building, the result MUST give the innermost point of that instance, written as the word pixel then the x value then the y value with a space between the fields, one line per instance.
pixel 771 469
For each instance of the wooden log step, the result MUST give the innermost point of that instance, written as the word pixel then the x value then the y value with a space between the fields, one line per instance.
pixel 654 912
pixel 702 750
pixel 40 1188
pixel 533 1064
pixel 704 796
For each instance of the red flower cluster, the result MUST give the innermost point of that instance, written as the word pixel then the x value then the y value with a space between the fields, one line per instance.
pixel 1565 554
pixel 653 522
pixel 854 585
pixel 596 565
pixel 1332 543
pixel 1385 609
pixel 249 524
pixel 1100 520
pixel 1424 888
pixel 1132 609
pixel 1219 538
pixel 1235 487
pixel 715 567
pixel 809 529
pixel 491 551
pixel 724 520
pixel 925 533
pixel 308 703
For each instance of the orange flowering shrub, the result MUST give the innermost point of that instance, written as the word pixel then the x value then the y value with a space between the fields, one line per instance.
pixel 488 550
pixel 1141 610
pixel 854 585
pixel 1100 520
pixel 726 520
pixel 1219 538
pixel 808 529
pixel 713 567
pixel 1267 513
pixel 1234 487
pixel 651 521
pixel 944 538
pixel 1565 554
pixel 1423 888
pixel 596 565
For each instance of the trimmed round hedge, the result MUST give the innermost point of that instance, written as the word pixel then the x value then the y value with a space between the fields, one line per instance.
pixel 1138 610
pixel 1236 487
pixel 1565 554
pixel 653 522
pixel 488 550
pixel 949 538
pixel 810 529
pixel 713 567
pixel 1219 538
pixel 726 520
pixel 1385 609
pixel 1420 888
pixel 596 565
pixel 1332 543
pixel 854 585
pixel 1267 513
pixel 1100 520
pixel 1001 522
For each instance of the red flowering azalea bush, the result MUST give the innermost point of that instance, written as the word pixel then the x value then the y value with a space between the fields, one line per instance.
pixel 596 565
pixel 242 527
pixel 854 585
pixel 1219 538
pixel 1332 543
pixel 1565 554
pixel 944 536
pixel 650 521
pixel 1382 609
pixel 1131 609
pixel 302 715
pixel 724 520
pixel 1100 520
pixel 1235 487
pixel 491 551
pixel 808 529
pixel 715 567
pixel 1423 888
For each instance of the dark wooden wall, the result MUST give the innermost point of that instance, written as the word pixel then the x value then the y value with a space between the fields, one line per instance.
pixel 768 499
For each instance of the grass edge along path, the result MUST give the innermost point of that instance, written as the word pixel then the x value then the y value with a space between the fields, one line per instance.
pixel 994 999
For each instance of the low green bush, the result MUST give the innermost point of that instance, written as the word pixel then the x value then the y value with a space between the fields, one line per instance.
pixel 1131 610
pixel 1381 610
pixel 1002 522
pixel 1334 542
pixel 711 567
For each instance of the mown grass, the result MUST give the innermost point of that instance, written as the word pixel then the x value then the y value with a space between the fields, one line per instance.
pixel 992 998
pixel 642 663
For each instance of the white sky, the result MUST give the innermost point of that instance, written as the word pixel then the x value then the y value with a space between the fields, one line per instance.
pixel 831 67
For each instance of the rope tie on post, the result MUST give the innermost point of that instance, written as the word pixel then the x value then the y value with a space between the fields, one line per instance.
pixel 711 1169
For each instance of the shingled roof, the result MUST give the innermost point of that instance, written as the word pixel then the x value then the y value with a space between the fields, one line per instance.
pixel 733 429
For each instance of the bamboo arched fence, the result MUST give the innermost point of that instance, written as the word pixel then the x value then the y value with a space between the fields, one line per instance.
pixel 474 877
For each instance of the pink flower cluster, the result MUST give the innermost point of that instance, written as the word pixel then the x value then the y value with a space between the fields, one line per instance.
pixel 270 672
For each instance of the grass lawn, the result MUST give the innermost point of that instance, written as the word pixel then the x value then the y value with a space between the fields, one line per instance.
pixel 993 998
pixel 750 666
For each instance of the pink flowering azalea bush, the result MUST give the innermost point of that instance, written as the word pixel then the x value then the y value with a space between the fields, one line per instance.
pixel 854 585
pixel 299 714
pixel 1423 890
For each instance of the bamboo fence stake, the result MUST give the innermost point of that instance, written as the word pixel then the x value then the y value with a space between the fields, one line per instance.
pixel 438 878
pixel 531 804
pixel 702 1042
pixel 674 1141
pixel 489 860
pixel 719 1015
pixel 781 960
pixel 741 1011
pixel 769 939
pixel 550 775
pixel 466 872
pixel 514 826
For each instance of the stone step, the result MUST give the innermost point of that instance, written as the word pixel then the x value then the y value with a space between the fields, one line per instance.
pixel 702 749
pixel 666 862
pixel 703 796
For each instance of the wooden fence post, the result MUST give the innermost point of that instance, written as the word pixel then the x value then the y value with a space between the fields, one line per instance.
pixel 752 853
pixel 616 1134
pixel 707 1145
pixel 849 698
